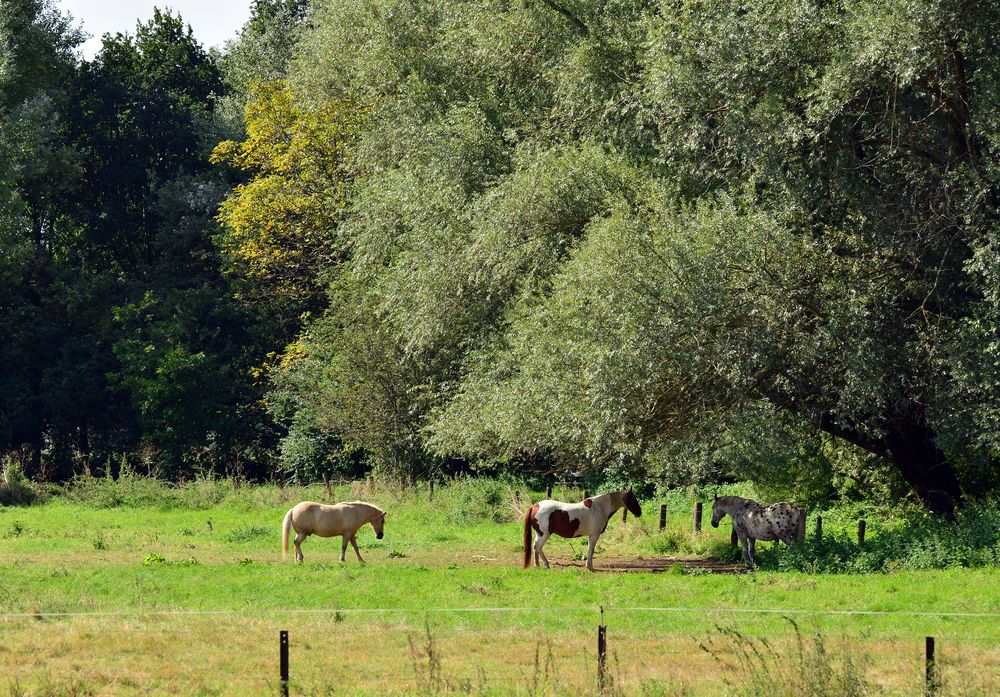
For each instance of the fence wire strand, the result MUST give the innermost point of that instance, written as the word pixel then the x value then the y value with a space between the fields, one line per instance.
pixel 459 610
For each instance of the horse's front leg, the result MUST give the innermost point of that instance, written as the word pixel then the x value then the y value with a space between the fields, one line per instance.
pixel 299 539
pixel 590 552
pixel 354 543
pixel 753 551
pixel 343 546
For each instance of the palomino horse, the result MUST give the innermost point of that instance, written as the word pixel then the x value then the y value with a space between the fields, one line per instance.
pixel 779 521
pixel 588 518
pixel 343 519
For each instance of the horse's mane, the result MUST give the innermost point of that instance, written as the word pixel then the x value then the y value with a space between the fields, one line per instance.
pixel 744 502
pixel 365 503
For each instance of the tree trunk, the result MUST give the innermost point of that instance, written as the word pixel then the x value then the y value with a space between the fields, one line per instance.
pixel 910 447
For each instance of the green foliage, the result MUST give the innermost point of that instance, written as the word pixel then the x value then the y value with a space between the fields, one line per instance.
pixel 15 488
pixel 177 365
pixel 715 242
pixel 249 533
pixel 260 54
pixel 624 232
pixel 484 499
pixel 896 539
pixel 36 49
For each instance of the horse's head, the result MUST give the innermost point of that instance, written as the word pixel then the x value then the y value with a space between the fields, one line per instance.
pixel 718 511
pixel 632 503
pixel 378 522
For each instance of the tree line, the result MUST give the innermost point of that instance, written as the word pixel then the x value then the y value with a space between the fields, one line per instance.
pixel 664 242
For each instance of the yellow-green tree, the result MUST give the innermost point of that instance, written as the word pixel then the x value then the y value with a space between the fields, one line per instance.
pixel 280 227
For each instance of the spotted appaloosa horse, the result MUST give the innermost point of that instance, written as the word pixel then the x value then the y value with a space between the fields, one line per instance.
pixel 589 518
pixel 779 521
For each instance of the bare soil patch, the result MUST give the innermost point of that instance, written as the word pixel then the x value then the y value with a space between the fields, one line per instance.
pixel 654 564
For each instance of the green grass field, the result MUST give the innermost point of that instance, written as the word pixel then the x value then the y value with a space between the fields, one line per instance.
pixel 185 594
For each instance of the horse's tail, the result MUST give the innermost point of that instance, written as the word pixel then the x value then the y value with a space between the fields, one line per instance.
pixel 286 526
pixel 800 529
pixel 527 536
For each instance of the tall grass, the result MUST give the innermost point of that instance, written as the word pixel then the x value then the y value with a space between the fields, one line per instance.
pixel 757 667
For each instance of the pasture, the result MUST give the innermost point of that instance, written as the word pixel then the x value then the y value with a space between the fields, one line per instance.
pixel 183 591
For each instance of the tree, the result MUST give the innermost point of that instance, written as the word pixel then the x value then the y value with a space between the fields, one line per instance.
pixel 142 114
pixel 280 227
pixel 260 55
pixel 596 228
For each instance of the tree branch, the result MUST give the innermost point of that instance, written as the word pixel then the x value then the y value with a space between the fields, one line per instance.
pixel 573 19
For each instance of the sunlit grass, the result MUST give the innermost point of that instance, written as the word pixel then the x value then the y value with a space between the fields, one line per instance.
pixel 363 625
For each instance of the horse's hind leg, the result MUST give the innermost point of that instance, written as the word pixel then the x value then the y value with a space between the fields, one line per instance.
pixel 343 546
pixel 299 539
pixel 539 543
pixel 354 543
pixel 745 545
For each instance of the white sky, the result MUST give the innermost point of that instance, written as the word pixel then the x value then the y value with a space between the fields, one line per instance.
pixel 213 21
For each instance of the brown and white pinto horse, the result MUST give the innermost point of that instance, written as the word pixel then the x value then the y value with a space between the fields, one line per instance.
pixel 589 518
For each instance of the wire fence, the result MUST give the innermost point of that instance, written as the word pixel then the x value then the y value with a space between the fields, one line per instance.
pixel 604 649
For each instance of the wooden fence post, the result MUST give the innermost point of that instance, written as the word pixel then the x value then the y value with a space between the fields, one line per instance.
pixel 624 514
pixel 663 516
pixel 602 652
pixel 819 528
pixel 517 498
pixel 930 667
pixel 283 661
pixel 430 494
pixel 862 526
pixel 548 491
pixel 697 517
pixel 585 494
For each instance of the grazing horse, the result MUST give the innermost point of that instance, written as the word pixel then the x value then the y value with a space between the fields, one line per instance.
pixel 779 521
pixel 588 518
pixel 343 519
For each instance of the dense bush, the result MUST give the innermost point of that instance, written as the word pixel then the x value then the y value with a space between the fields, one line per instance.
pixel 906 538
pixel 15 487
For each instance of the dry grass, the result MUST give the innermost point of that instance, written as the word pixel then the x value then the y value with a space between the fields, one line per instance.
pixel 232 655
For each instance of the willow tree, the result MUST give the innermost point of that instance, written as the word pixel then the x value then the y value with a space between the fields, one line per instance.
pixel 592 228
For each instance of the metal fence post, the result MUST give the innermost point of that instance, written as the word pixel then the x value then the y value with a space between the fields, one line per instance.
pixel 663 516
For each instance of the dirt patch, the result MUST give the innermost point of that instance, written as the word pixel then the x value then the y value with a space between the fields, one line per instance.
pixel 655 565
